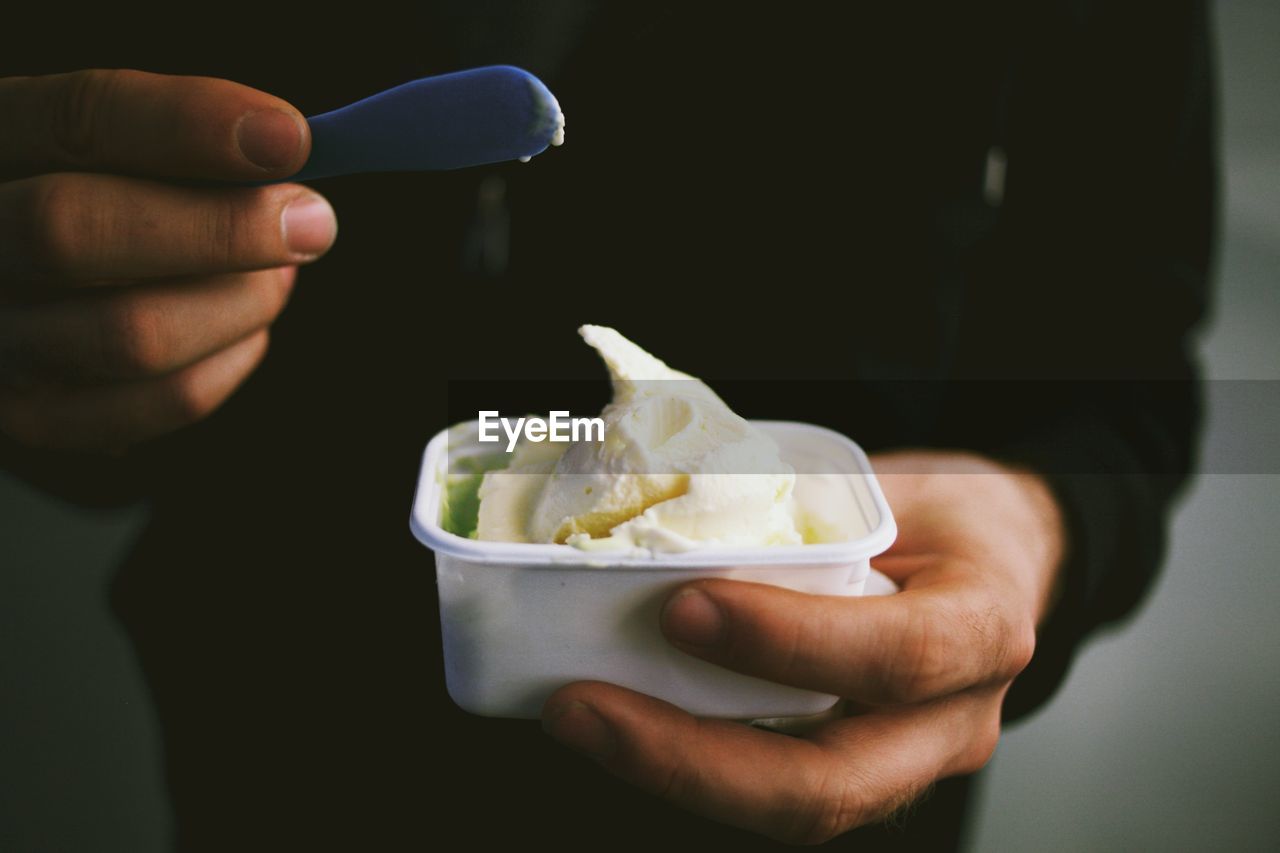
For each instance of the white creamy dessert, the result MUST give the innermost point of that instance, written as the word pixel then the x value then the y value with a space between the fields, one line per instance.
pixel 555 115
pixel 678 469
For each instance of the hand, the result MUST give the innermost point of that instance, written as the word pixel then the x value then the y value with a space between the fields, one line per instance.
pixel 977 556
pixel 131 305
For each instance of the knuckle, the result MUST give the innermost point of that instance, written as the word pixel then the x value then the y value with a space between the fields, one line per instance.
pixel 132 338
pixel 273 294
pixel 982 642
pixel 189 399
pixel 59 225
pixel 813 827
pixel 985 629
pixel 263 339
pixel 234 231
pixel 1020 648
pixel 222 232
pixel 833 809
pixel 672 779
pixel 79 114
pixel 923 662
pixel 982 746
pixel 1004 644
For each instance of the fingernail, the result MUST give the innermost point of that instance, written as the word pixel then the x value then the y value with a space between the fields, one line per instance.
pixel 269 138
pixel 690 616
pixel 579 727
pixel 309 225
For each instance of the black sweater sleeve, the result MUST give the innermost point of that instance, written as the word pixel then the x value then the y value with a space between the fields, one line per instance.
pixel 1097 277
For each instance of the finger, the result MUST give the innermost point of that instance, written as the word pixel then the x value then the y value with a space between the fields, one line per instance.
pixel 795 790
pixel 113 416
pixel 81 228
pixel 138 331
pixel 148 124
pixel 930 640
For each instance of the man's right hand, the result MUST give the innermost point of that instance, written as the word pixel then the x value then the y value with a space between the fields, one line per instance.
pixel 131 305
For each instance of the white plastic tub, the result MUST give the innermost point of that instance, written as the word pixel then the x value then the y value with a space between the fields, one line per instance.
pixel 521 620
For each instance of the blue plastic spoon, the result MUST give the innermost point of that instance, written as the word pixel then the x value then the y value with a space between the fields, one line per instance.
pixel 485 115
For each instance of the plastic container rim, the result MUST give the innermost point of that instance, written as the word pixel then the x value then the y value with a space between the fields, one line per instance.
pixel 424 521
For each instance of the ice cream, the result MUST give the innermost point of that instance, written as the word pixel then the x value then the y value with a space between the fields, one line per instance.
pixel 551 113
pixel 677 469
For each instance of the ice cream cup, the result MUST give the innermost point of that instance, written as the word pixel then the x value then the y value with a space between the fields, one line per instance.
pixel 521 620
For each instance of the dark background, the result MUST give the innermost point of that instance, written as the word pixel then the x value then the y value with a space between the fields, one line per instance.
pixel 1163 738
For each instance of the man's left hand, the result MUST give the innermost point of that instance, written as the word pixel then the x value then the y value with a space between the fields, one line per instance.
pixel 924 671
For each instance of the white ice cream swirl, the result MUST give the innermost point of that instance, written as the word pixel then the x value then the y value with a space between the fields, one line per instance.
pixel 677 470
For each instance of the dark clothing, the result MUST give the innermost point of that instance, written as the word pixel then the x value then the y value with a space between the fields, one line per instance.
pixel 817 176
